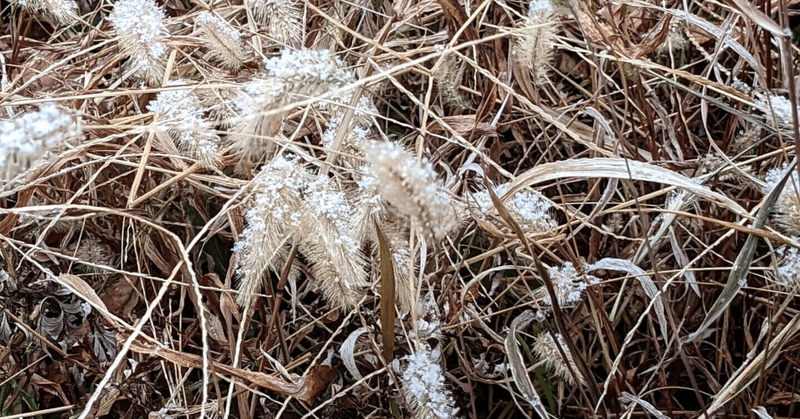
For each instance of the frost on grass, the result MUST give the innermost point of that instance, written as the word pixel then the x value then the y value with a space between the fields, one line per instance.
pixel 423 384
pixel 535 40
pixel 411 188
pixel 293 76
pixel 183 116
pixel 546 351
pixel 271 220
pixel 141 32
pixel 787 273
pixel 330 245
pixel 529 209
pixel 568 284
pixel 292 206
pixel 28 137
pixel 786 212
pixel 777 111
pixel 223 42
pixel 358 132
pixel 65 12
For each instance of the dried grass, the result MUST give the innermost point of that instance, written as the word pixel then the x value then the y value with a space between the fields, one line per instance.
pixel 628 141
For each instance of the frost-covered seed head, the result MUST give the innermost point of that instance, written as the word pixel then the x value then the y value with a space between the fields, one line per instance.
pixel 448 77
pixel 224 43
pixel 292 76
pixel 26 138
pixel 329 242
pixel 787 274
pixel 786 212
pixel 777 111
pixel 184 117
pixel 546 351
pixel 141 32
pixel 423 384
pixel 568 284
pixel 535 40
pixel 410 187
pixel 283 18
pixel 64 12
pixel 529 209
pixel 272 219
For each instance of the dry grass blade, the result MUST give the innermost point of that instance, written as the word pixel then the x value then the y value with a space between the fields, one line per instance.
pixel 741 266
pixel 387 294
pixel 598 168
pixel 516 363
pixel 648 286
pixel 748 372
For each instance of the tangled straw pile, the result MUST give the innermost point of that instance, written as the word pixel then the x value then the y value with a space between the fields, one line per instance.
pixel 284 208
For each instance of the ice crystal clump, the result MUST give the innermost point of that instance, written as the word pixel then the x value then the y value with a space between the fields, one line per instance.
pixel 528 208
pixel 787 274
pixel 423 383
pixel 777 110
pixel 568 284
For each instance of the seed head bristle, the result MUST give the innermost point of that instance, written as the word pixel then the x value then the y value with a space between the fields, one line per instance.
pixel 223 42
pixel 546 351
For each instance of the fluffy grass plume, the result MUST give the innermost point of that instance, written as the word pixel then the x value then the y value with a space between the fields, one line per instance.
pixel 141 32
pixel 27 138
pixel 410 186
pixel 535 39
pixel 64 12
pixel 223 43
pixel 183 116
